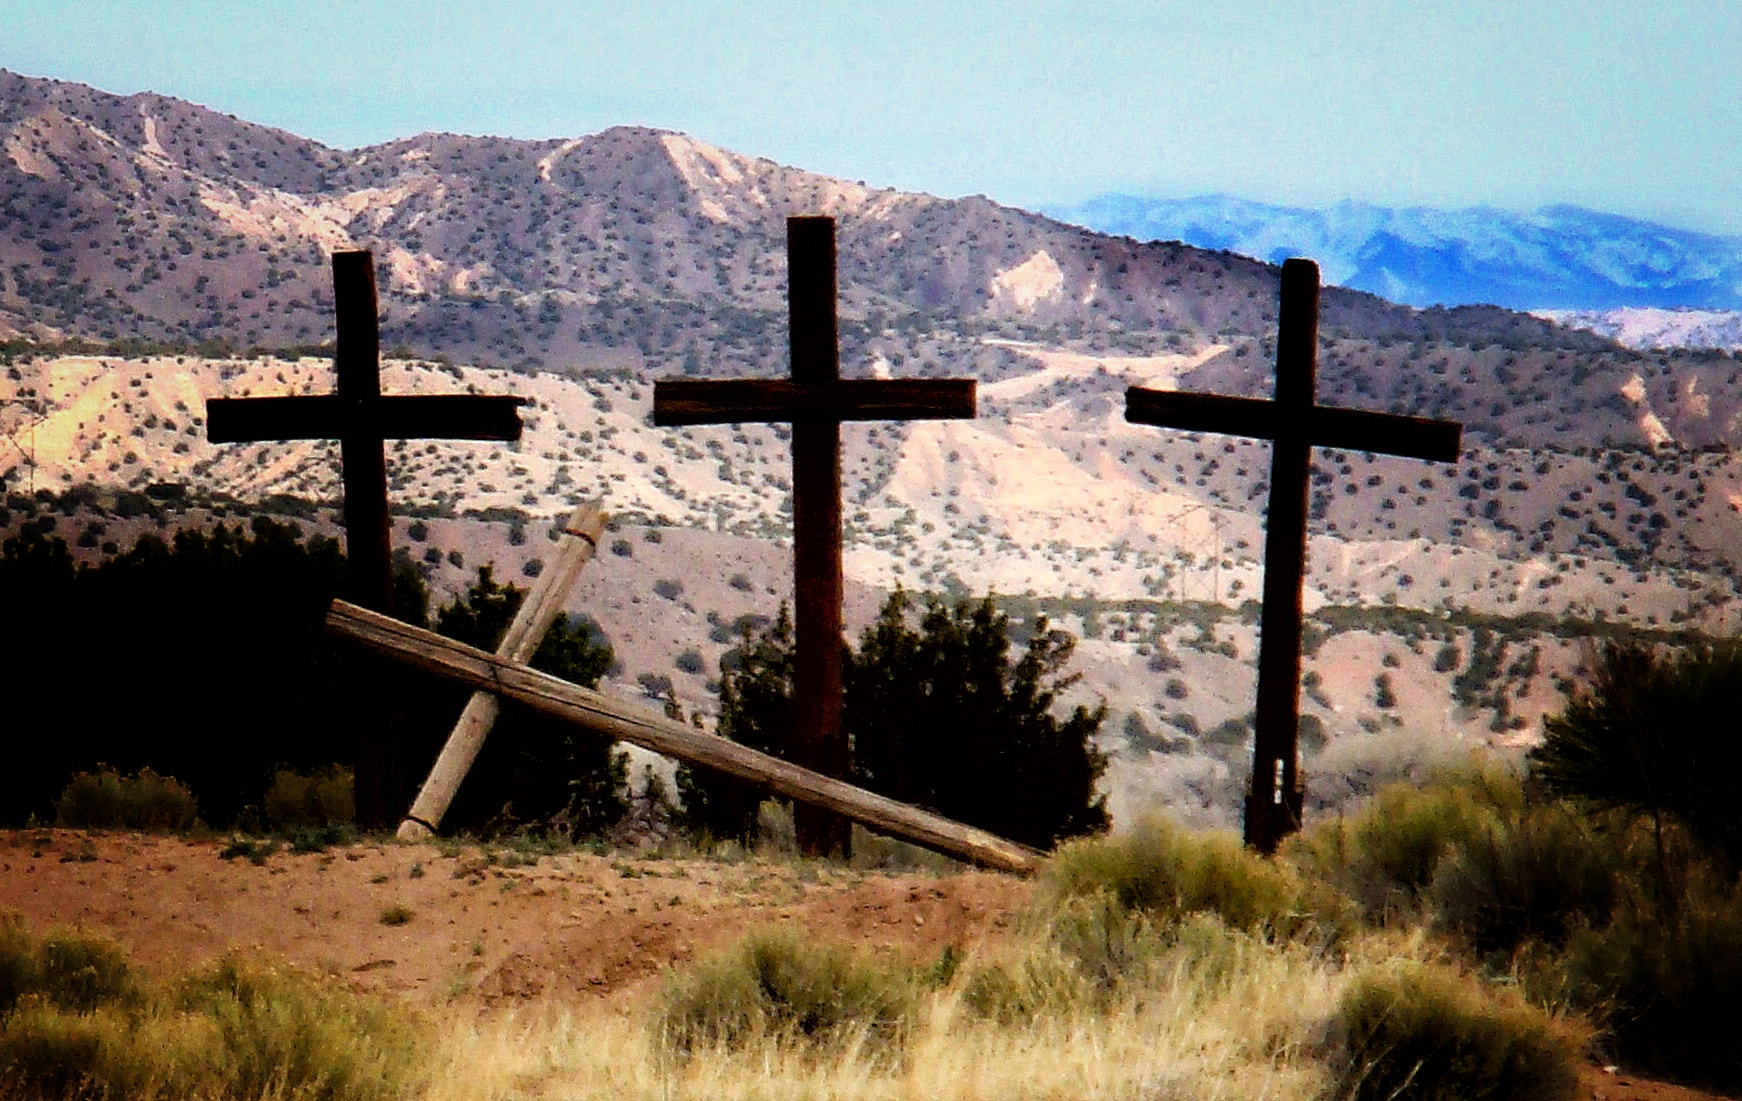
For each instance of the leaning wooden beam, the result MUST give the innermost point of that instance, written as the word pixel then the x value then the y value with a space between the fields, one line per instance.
pixel 537 612
pixel 572 703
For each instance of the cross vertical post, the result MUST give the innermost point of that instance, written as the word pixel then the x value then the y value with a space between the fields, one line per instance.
pixel 816 528
pixel 1274 801
pixel 1295 424
pixel 814 400
pixel 362 452
pixel 362 420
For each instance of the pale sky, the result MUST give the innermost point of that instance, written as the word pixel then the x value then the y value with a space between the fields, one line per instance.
pixel 1633 107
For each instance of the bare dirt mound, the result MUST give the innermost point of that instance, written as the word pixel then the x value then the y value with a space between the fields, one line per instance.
pixel 441 923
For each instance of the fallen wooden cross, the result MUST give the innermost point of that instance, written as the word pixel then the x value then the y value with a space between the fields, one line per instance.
pixel 513 680
pixel 537 612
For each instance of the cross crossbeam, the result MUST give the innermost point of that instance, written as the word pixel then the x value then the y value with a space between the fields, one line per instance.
pixel 362 420
pixel 815 400
pixel 755 400
pixel 1295 424
pixel 332 417
pixel 1317 426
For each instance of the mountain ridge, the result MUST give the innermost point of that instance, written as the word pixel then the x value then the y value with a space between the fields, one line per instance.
pixel 1560 256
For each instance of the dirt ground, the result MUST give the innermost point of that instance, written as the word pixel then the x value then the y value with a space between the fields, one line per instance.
pixel 445 924
pixel 472 924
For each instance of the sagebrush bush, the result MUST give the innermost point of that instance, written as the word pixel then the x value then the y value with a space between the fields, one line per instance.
pixel 297 801
pixel 1533 875
pixel 1667 985
pixel 17 960
pixel 79 1026
pixel 106 799
pixel 1020 983
pixel 1090 956
pixel 79 971
pixel 1387 853
pixel 276 1024
pixel 777 986
pixel 1421 1031
pixel 1167 872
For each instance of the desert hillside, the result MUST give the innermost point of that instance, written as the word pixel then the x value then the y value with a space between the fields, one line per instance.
pixel 1451 605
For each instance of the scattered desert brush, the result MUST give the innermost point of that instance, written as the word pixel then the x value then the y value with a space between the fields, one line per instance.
pixel 75 1021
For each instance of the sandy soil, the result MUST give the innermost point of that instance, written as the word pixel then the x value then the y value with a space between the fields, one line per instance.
pixel 482 926
pixel 489 927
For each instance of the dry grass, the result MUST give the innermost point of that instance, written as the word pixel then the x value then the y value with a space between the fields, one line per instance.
pixel 1157 966
pixel 1253 1026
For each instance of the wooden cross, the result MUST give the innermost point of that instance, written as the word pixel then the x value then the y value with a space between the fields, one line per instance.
pixel 362 420
pixel 1295 424
pixel 815 400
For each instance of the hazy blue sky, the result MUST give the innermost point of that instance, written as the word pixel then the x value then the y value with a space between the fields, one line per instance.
pixel 1630 107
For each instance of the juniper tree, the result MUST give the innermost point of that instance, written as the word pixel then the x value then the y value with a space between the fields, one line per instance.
pixel 755 710
pixel 939 713
pixel 1655 734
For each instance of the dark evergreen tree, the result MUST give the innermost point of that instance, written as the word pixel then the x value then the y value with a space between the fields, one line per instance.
pixel 938 714
pixel 942 717
pixel 1655 734
pixel 755 710
pixel 206 658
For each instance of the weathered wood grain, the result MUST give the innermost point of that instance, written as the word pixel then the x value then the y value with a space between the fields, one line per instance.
pixel 572 703
pixel 580 540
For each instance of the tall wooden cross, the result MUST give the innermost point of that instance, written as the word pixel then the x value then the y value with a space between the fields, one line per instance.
pixel 363 420
pixel 1295 424
pixel 815 400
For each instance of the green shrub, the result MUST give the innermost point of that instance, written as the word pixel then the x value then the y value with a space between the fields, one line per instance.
pixel 1166 872
pixel 778 986
pixel 106 799
pixel 231 1029
pixel 316 839
pixel 1107 944
pixel 1423 1032
pixel 940 714
pixel 1655 734
pixel 1021 983
pixel 310 1037
pixel 17 960
pixel 1385 856
pixel 79 971
pixel 255 851
pixel 298 801
pixel 397 913
pixel 1533 875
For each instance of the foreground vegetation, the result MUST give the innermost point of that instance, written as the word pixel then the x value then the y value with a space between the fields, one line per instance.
pixel 1159 963
pixel 77 1020
pixel 1476 937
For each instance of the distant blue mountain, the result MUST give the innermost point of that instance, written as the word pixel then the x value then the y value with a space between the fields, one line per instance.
pixel 1560 257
